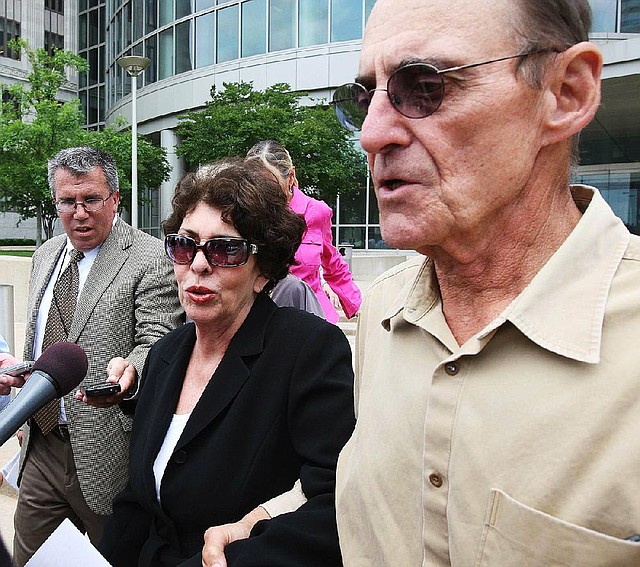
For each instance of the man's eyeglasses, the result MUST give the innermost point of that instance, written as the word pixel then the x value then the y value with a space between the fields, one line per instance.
pixel 91 205
pixel 223 252
pixel 415 90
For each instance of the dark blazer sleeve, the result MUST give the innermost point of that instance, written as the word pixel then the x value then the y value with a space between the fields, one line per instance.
pixel 127 528
pixel 126 531
pixel 321 419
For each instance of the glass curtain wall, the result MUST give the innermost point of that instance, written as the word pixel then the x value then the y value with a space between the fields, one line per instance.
pixel 182 35
pixel 616 16
pixel 620 188
pixel 91 46
pixel 10 11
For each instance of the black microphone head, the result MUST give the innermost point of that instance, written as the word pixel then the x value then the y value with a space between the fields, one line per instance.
pixel 66 363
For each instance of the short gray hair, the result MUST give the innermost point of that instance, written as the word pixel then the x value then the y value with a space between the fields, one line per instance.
pixel 81 160
pixel 553 25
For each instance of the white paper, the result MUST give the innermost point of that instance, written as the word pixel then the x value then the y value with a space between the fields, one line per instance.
pixel 67 547
pixel 10 470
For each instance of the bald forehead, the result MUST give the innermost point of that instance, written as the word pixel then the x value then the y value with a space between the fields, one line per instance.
pixel 400 30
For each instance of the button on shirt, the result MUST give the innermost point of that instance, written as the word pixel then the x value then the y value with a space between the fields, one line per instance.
pixel 519 446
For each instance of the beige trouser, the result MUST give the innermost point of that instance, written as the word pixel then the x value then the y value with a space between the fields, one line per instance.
pixel 49 493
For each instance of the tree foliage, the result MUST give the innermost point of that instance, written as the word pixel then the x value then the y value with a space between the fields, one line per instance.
pixel 34 126
pixel 327 162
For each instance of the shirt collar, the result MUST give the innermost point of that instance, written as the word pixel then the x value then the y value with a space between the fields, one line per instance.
pixel 558 311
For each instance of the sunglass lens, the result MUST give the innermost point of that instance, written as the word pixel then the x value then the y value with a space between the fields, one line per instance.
pixel 351 102
pixel 180 249
pixel 229 253
pixel 416 91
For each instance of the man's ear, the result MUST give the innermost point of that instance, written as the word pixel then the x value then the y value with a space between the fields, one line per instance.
pixel 572 91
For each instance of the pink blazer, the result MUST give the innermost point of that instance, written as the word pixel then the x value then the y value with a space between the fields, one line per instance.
pixel 317 250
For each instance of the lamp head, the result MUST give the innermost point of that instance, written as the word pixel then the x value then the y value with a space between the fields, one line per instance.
pixel 134 64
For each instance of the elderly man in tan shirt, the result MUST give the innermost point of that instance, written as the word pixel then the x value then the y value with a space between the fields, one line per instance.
pixel 497 377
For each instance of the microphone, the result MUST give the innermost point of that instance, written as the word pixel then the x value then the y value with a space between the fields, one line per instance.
pixel 60 368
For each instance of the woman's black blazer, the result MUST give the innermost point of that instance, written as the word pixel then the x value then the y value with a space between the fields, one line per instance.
pixel 279 407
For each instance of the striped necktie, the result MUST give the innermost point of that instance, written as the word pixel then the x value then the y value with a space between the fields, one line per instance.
pixel 63 306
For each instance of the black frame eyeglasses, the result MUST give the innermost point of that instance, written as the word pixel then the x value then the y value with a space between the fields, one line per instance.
pixel 225 252
pixel 415 90
pixel 91 205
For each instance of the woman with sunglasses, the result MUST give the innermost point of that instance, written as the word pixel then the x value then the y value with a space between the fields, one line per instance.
pixel 316 251
pixel 241 402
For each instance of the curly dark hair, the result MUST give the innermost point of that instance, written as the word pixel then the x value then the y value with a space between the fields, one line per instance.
pixel 249 198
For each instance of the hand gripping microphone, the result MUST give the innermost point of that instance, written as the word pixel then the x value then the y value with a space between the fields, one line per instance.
pixel 59 370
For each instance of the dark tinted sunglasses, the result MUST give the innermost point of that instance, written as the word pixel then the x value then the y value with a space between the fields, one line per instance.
pixel 415 91
pixel 223 252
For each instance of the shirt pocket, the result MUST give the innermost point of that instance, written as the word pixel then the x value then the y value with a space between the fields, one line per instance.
pixel 515 534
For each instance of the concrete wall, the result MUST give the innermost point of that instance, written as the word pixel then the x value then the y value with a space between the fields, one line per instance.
pixel 368 265
pixel 12 227
pixel 14 271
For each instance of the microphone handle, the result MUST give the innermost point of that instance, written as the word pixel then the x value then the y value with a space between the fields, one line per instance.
pixel 37 391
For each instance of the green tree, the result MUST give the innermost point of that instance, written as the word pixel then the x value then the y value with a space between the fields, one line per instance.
pixel 327 161
pixel 34 126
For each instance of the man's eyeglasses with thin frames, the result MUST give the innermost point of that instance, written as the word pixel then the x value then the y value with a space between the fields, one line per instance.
pixel 91 205
pixel 415 90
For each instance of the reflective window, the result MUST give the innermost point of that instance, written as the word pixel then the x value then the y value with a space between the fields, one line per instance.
pixel 137 23
pixel 93 66
pixel 150 19
pixel 254 33
pixel 620 189
pixel 281 24
pixel 630 16
pixel 351 235
pixel 82 77
pixel 117 31
pixel 204 4
pixel 165 54
pixel 375 239
pixel 227 34
pixel 604 14
pixel 165 12
pixel 101 103
pixel 127 24
pixel 101 27
pixel 92 117
pixel 205 35
pixel 346 20
pixel 151 51
pixel 82 31
pixel 93 27
pixel 184 60
pixel 183 8
pixel 313 18
pixel 368 6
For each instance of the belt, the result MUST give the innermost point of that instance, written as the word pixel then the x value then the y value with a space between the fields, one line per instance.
pixel 61 431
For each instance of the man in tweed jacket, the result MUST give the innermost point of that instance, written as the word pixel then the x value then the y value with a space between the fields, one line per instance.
pixel 126 301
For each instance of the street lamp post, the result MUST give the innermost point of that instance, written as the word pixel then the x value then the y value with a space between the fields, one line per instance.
pixel 134 65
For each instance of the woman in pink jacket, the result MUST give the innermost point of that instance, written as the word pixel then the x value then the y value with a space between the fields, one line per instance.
pixel 317 249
